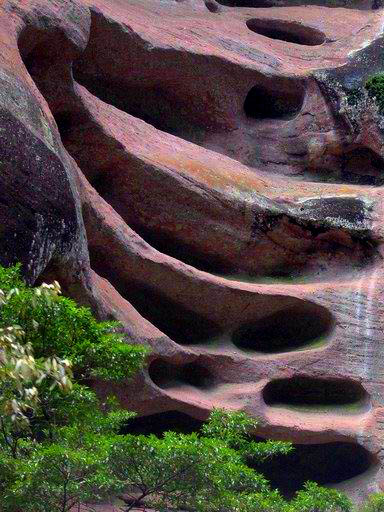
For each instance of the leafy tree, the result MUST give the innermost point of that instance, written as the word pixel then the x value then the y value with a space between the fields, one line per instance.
pixel 56 478
pixel 182 470
pixel 55 326
pixel 21 376
pixel 236 428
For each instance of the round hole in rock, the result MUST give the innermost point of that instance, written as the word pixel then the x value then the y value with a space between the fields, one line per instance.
pixel 315 393
pixel 300 327
pixel 167 375
pixel 263 102
pixel 162 422
pixel 328 463
pixel 288 31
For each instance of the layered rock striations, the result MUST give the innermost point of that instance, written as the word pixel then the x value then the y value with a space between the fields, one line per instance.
pixel 196 170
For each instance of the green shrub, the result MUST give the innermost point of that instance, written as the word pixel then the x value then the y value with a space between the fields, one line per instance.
pixel 375 503
pixel 313 498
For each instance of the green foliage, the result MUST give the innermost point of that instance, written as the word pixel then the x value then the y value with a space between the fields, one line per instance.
pixel 375 503
pixel 76 415
pixel 375 88
pixel 313 498
pixel 22 377
pixel 57 478
pixel 10 278
pixel 180 470
pixel 56 326
pixel 271 501
pixel 235 428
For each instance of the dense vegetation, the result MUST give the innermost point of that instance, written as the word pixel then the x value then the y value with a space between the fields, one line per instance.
pixel 60 445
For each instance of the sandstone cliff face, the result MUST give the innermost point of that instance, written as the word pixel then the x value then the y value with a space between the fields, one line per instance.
pixel 191 168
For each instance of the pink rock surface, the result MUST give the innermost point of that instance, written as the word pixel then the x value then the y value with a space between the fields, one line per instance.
pixel 192 169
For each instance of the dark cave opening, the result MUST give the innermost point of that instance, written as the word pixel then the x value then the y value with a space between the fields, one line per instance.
pixel 167 375
pixel 288 31
pixel 362 166
pixel 302 390
pixel 162 422
pixel 65 122
pixel 326 464
pixel 293 328
pixel 264 103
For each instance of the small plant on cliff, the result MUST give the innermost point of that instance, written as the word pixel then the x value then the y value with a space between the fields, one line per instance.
pixel 375 88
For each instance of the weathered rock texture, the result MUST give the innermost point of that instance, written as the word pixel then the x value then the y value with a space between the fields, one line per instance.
pixel 193 169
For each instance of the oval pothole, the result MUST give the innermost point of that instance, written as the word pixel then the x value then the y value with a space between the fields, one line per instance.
pixel 301 327
pixel 310 394
pixel 326 464
pixel 264 102
pixel 167 375
pixel 287 31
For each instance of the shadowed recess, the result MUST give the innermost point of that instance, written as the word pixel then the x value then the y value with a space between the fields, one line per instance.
pixel 288 31
pixel 303 391
pixel 162 422
pixel 182 325
pixel 180 250
pixel 167 375
pixel 358 166
pixel 362 166
pixel 264 102
pixel 328 463
pixel 299 327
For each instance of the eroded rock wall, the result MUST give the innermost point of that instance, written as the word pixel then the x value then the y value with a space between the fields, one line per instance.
pixel 192 169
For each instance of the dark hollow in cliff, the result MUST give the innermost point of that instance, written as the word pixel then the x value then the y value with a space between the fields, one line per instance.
pixel 288 31
pixel 263 102
pixel 162 422
pixel 178 249
pixel 361 166
pixel 167 375
pixel 294 328
pixel 182 325
pixel 328 463
pixel 303 391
